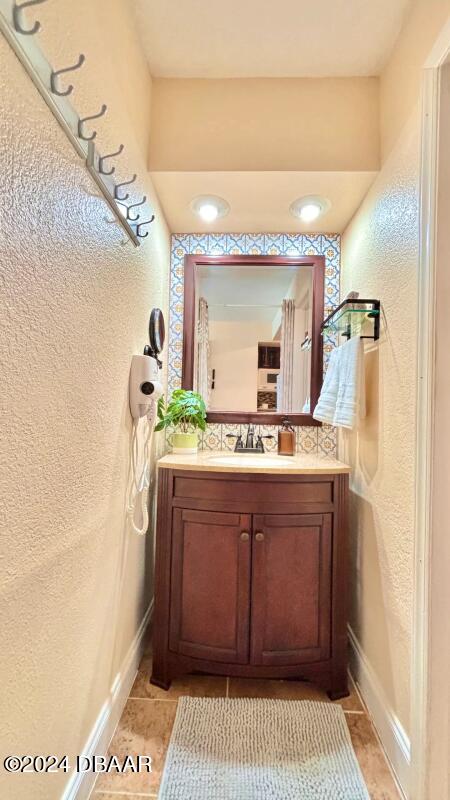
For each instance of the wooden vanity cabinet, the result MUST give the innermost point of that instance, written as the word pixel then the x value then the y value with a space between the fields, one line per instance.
pixel 251 577
pixel 209 610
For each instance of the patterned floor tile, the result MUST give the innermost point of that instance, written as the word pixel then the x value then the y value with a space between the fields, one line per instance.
pixel 289 690
pixel 116 796
pixel 144 729
pixel 147 720
pixel 371 758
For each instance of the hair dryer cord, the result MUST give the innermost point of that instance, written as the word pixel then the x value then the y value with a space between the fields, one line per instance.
pixel 140 473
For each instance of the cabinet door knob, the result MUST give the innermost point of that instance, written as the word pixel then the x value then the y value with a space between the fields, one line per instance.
pixel 245 536
pixel 259 537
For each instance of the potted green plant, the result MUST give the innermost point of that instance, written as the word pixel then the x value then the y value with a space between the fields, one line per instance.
pixel 186 411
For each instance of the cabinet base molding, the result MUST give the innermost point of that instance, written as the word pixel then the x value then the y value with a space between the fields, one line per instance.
pixel 319 674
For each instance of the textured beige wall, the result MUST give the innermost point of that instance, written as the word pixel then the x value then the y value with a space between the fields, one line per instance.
pixel 400 79
pixel 438 772
pixel 379 259
pixel 75 306
pixel 265 124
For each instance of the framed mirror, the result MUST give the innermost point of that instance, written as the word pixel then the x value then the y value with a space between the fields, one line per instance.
pixel 251 336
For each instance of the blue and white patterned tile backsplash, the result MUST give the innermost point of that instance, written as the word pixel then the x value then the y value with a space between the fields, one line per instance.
pixel 309 439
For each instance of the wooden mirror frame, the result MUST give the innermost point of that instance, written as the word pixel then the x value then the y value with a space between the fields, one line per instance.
pixel 191 262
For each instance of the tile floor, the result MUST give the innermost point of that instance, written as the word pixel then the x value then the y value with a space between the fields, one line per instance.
pixel 147 720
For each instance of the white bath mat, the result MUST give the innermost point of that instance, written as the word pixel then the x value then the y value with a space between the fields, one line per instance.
pixel 247 749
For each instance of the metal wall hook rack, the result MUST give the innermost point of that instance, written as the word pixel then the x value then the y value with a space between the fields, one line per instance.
pixel 25 45
pixel 140 225
pixel 340 319
pixel 119 186
pixel 82 121
pixel 101 162
pixel 135 205
pixel 55 75
pixel 17 17
pixel 106 180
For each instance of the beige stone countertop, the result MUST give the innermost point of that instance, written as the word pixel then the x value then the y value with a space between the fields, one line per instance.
pixel 271 463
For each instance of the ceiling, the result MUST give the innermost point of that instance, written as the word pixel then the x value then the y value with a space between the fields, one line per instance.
pixel 259 201
pixel 250 38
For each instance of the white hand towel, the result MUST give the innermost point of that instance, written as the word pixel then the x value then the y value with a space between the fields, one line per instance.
pixel 351 396
pixel 326 406
pixel 342 399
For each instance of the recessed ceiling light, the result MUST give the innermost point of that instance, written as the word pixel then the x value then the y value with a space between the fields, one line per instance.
pixel 209 207
pixel 310 207
pixel 310 212
pixel 208 212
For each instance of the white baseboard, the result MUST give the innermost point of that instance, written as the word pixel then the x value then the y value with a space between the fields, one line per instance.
pixel 80 785
pixel 391 732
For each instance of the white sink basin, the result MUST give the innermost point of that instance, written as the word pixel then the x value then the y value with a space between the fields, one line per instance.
pixel 250 460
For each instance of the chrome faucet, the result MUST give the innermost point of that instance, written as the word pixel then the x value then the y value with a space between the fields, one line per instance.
pixel 250 446
pixel 249 440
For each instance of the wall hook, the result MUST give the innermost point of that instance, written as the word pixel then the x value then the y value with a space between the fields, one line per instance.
pixel 135 205
pixel 143 235
pixel 124 183
pixel 101 161
pixel 54 76
pixel 17 13
pixel 85 119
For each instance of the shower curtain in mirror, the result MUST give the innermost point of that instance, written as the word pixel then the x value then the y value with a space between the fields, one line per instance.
pixel 285 400
pixel 203 371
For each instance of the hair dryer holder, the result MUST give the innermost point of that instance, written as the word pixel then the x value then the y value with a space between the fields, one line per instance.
pixel 145 389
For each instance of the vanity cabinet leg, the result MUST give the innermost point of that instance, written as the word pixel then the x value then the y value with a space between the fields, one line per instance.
pixel 160 683
pixel 160 677
pixel 339 685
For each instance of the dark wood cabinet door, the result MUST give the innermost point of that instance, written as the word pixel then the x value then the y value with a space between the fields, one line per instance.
pixel 210 585
pixel 291 588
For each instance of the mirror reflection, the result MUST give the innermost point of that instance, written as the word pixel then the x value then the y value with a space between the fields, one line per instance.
pixel 253 337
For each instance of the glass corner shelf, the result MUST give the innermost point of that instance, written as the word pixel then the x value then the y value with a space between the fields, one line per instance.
pixel 353 314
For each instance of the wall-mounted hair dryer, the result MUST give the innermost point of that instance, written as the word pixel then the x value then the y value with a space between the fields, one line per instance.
pixel 145 390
